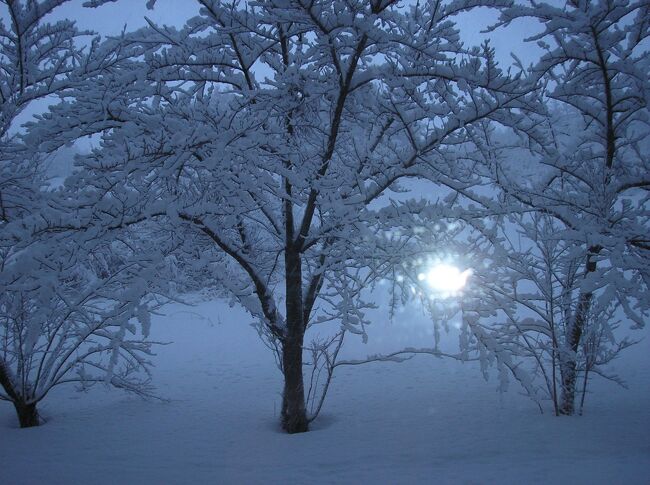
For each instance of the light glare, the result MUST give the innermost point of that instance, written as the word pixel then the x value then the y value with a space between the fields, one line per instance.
pixel 445 278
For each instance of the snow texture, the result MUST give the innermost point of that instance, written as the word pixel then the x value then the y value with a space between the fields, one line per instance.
pixel 425 420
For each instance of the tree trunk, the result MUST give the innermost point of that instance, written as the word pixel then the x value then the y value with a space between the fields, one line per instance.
pixel 567 399
pixel 27 414
pixel 294 413
pixel 568 366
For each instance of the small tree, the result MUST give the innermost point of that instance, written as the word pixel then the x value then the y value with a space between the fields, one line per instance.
pixel 539 281
pixel 578 246
pixel 67 315
pixel 67 296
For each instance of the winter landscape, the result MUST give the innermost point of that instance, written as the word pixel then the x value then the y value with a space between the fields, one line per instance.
pixel 422 421
pixel 324 241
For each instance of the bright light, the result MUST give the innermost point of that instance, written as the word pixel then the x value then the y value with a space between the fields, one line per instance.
pixel 445 278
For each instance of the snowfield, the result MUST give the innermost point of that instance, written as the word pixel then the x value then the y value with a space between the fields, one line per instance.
pixel 426 420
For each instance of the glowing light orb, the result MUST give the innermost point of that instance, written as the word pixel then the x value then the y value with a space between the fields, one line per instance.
pixel 445 278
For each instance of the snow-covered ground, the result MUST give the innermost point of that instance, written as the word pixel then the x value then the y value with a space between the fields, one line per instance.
pixel 426 420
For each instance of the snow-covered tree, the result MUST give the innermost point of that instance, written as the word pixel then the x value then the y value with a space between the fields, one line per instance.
pixel 577 248
pixel 69 295
pixel 273 129
pixel 68 313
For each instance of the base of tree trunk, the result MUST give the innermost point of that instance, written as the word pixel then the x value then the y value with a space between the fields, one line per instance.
pixel 566 411
pixel 567 404
pixel 567 397
pixel 294 413
pixel 27 415
pixel 295 424
pixel 294 416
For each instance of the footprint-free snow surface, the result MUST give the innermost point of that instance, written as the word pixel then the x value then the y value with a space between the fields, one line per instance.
pixel 426 420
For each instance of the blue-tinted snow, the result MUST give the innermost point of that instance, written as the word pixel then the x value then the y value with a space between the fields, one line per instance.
pixel 426 420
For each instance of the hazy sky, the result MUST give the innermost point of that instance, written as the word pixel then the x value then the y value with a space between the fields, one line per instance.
pixel 111 18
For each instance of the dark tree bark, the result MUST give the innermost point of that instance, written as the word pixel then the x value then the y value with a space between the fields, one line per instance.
pixel 27 414
pixel 294 414
pixel 569 364
pixel 568 368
